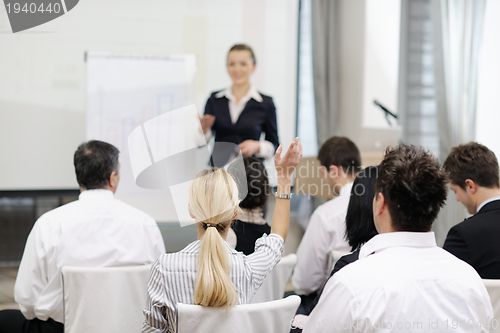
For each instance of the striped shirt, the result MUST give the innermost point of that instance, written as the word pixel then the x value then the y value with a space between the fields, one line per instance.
pixel 173 278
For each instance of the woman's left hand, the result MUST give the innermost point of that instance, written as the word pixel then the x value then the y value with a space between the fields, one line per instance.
pixel 249 147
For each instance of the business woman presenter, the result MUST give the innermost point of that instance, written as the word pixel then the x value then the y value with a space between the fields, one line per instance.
pixel 240 113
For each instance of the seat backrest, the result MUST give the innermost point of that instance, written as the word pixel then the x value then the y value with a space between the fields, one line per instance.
pixel 333 257
pixel 275 316
pixel 104 299
pixel 493 287
pixel 273 287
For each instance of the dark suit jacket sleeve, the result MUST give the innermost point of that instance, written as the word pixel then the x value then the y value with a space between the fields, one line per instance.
pixel 456 243
pixel 210 109
pixel 270 126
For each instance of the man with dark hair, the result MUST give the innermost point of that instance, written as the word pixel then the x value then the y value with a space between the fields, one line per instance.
pixel 403 281
pixel 474 177
pixel 340 163
pixel 94 231
pixel 96 165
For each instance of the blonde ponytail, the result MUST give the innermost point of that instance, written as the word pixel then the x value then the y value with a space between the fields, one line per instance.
pixel 213 200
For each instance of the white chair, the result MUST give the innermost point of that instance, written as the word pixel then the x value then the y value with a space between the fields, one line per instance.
pixel 275 317
pixel 106 299
pixel 333 257
pixel 493 287
pixel 275 282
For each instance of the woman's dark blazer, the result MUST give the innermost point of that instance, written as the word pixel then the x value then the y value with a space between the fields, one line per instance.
pixel 256 117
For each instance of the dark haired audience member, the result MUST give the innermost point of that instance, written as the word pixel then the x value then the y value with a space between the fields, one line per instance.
pixel 250 224
pixel 208 272
pixel 97 230
pixel 403 281
pixel 340 163
pixel 359 226
pixel 359 221
pixel 474 177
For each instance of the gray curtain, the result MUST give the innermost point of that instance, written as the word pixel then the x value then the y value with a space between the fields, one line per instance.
pixel 457 33
pixel 325 43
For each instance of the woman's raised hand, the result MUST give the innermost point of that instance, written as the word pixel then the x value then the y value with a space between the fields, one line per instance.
pixel 286 165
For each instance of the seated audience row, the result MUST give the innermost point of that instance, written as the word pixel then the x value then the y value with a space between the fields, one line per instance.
pixel 473 172
pixel 401 276
pixel 99 231
pixel 403 281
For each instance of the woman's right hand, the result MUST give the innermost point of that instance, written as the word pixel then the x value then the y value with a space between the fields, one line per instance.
pixel 207 121
pixel 286 165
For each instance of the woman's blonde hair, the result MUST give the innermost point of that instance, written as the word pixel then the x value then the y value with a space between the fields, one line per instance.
pixel 213 200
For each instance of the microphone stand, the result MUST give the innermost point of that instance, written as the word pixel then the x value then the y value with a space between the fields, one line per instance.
pixel 387 112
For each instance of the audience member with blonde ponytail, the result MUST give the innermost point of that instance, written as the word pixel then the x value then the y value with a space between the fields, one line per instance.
pixel 208 271
pixel 213 286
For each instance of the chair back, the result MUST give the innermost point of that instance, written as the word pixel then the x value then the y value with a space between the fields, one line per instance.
pixel 493 287
pixel 275 316
pixel 333 257
pixel 273 287
pixel 104 299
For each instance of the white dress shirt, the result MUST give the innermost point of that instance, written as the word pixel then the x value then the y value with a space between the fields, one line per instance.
pixel 403 282
pixel 487 202
pixel 94 231
pixel 235 109
pixel 325 233
pixel 173 279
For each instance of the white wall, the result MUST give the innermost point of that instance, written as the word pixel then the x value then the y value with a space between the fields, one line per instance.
pixel 352 64
pixel 488 106
pixel 369 62
pixel 42 81
pixel 381 60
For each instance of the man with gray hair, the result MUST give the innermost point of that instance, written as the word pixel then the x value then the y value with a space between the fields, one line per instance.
pixel 95 231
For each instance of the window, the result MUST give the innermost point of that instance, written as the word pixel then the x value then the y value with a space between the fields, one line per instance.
pixel 488 99
pixel 417 92
pixel 306 115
